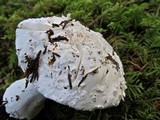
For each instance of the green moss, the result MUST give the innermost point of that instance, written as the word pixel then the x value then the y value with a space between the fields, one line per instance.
pixel 132 27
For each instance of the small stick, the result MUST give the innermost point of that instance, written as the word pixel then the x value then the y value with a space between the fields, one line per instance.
pixel 142 68
pixel 54 25
pixel 136 65
pixel 83 79
pixel 45 49
pixel 59 38
pixel 94 21
pixel 109 57
pixel 69 79
pixel 50 33
pixel 64 23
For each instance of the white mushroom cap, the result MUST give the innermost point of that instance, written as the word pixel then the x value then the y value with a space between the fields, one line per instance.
pixel 78 67
pixel 23 103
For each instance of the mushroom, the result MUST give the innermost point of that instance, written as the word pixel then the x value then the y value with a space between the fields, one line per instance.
pixel 69 63
pixel 23 103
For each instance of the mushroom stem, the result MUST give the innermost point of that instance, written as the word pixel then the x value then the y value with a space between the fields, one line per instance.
pixel 21 102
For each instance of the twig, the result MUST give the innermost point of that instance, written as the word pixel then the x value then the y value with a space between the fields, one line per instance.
pixel 94 21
